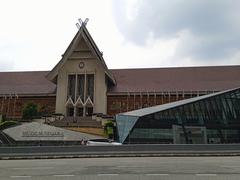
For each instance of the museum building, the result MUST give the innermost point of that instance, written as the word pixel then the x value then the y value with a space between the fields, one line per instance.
pixel 81 84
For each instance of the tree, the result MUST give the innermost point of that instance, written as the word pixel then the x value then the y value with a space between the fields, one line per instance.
pixel 30 111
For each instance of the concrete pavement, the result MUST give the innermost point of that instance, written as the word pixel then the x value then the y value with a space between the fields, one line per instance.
pixel 169 168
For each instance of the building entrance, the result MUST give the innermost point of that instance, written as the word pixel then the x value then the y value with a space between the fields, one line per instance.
pixel 189 135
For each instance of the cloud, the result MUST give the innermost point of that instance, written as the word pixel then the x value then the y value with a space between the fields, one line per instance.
pixel 204 30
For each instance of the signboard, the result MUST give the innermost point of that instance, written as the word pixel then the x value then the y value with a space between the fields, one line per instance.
pixel 42 134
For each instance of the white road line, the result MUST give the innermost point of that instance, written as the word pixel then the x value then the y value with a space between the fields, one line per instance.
pixel 157 174
pixel 24 168
pixel 107 174
pixel 63 175
pixel 206 174
pixel 130 166
pixel 230 166
pixel 20 176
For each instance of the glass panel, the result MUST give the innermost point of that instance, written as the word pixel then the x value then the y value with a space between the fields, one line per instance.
pixel 213 136
pixel 142 135
pixel 79 111
pixel 89 111
pixel 80 89
pixel 222 110
pixel 217 136
pixel 210 120
pixel 231 135
pixel 71 86
pixel 90 86
pixel 198 113
pixel 125 125
pixel 70 111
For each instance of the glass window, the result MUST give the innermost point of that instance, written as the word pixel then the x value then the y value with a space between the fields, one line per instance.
pixel 89 111
pixel 80 111
pixel 141 135
pixel 80 89
pixel 212 119
pixel 90 86
pixel 70 111
pixel 71 86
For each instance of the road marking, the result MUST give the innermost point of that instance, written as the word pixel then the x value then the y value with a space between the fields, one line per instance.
pixel 20 176
pixel 206 174
pixel 130 166
pixel 157 174
pixel 230 166
pixel 63 175
pixel 108 174
pixel 24 168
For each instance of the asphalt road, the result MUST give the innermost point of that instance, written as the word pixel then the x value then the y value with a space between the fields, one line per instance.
pixel 170 168
pixel 133 150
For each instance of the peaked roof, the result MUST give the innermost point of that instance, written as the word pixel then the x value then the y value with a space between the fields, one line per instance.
pixel 215 78
pixel 82 33
pixel 205 78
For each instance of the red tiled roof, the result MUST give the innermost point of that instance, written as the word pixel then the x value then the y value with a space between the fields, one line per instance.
pixel 25 83
pixel 133 80
pixel 209 78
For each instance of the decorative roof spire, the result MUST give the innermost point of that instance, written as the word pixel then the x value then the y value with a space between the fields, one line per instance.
pixel 80 22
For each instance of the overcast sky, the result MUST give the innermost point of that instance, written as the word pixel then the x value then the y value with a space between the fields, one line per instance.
pixel 131 33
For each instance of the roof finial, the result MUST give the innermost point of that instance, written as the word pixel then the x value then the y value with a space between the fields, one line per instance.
pixel 80 22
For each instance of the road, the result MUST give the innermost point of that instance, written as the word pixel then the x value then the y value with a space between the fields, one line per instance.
pixel 132 150
pixel 145 168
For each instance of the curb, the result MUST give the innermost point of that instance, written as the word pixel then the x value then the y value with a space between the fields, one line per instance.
pixel 21 157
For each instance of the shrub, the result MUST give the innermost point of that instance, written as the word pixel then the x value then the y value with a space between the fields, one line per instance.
pixel 109 124
pixel 7 124
pixel 3 118
pixel 108 128
pixel 30 111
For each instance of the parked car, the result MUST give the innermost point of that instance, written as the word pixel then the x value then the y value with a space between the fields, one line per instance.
pixel 102 142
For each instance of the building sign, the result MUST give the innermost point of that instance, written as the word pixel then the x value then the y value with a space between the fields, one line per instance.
pixel 42 134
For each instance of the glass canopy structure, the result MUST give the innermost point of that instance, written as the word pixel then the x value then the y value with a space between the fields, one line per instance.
pixel 212 119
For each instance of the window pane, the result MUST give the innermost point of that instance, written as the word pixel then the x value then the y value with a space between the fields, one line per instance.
pixel 70 111
pixel 80 91
pixel 79 111
pixel 90 86
pixel 71 86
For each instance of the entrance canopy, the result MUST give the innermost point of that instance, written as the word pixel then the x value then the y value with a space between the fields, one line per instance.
pixel 218 112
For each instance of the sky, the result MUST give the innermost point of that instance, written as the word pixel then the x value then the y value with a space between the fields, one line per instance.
pixel 130 33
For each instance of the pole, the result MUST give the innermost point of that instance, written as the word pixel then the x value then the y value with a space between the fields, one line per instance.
pixel 10 97
pixel 155 98
pixel 2 104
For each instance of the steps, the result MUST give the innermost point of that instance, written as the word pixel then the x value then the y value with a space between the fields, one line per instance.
pixel 4 139
pixel 77 122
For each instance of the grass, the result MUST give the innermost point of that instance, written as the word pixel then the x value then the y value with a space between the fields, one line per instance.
pixel 88 130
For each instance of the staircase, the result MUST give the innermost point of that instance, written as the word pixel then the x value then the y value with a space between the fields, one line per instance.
pixel 4 139
pixel 77 122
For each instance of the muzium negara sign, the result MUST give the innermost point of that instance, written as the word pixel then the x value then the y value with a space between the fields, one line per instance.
pixel 35 131
pixel 42 134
